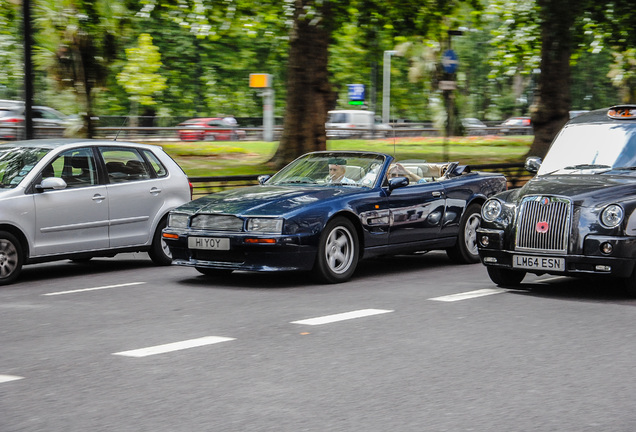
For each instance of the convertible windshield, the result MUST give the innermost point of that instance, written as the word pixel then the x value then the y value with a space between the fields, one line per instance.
pixel 591 148
pixel 331 169
pixel 16 163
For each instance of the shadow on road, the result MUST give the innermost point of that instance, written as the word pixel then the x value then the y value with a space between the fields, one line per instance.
pixel 596 290
pixel 371 269
pixel 65 268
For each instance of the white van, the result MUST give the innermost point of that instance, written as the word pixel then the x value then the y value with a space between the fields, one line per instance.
pixel 354 123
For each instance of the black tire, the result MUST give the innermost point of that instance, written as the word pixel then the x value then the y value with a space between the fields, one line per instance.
pixel 629 284
pixel 159 252
pixel 338 252
pixel 11 258
pixel 213 272
pixel 465 250
pixel 505 277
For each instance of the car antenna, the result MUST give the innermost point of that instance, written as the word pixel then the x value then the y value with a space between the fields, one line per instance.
pixel 120 127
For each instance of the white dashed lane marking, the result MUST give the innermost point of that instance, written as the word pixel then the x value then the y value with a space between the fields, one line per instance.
pixel 93 289
pixel 341 316
pixel 469 295
pixel 7 378
pixel 175 346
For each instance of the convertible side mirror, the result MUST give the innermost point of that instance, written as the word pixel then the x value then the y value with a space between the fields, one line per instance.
pixel 533 163
pixel 397 182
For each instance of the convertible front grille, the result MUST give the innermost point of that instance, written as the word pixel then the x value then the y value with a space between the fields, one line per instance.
pixel 543 224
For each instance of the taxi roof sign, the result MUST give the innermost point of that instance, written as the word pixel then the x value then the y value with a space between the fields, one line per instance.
pixel 622 112
pixel 260 80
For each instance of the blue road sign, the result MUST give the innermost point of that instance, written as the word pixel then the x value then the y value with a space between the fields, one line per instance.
pixel 356 92
pixel 450 61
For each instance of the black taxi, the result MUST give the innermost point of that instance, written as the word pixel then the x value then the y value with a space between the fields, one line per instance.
pixel 576 216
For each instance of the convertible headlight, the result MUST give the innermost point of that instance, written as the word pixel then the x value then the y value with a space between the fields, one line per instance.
pixel 265 225
pixel 491 210
pixel 612 216
pixel 178 220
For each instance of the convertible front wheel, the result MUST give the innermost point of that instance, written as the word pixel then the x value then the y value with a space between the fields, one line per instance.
pixel 338 252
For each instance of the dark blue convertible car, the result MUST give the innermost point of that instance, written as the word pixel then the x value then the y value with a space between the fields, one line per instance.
pixel 327 210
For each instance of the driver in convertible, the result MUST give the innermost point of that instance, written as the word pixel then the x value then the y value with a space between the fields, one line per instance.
pixel 337 168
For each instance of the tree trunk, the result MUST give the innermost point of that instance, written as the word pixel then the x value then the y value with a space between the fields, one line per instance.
pixel 309 93
pixel 552 104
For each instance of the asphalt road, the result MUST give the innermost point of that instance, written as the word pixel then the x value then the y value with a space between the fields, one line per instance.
pixel 120 345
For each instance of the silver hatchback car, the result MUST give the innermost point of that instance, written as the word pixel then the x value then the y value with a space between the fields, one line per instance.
pixel 77 199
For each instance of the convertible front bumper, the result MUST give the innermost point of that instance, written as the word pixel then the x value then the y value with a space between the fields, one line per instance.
pixel 282 253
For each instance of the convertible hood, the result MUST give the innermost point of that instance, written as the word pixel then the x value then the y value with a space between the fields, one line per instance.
pixel 585 190
pixel 263 200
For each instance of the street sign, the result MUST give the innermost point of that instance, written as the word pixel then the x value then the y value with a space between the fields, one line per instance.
pixel 450 61
pixel 447 85
pixel 356 92
pixel 260 80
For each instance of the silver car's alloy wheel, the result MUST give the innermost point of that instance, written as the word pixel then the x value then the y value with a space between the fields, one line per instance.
pixel 10 258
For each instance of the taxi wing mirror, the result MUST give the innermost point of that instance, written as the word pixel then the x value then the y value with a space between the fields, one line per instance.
pixel 533 163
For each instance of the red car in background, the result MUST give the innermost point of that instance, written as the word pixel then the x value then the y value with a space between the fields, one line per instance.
pixel 209 129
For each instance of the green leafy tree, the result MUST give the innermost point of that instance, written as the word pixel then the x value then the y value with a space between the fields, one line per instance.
pixel 76 43
pixel 10 50
pixel 139 76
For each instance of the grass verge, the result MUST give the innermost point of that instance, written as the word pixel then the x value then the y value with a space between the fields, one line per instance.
pixel 250 157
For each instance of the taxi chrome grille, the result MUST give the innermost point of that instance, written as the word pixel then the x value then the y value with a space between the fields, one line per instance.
pixel 543 224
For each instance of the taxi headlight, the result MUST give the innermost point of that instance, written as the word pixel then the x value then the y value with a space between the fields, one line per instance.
pixel 491 210
pixel 612 216
pixel 178 220
pixel 265 225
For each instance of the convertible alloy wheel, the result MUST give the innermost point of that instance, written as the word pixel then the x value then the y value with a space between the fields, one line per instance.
pixel 10 258
pixel 338 251
pixel 465 250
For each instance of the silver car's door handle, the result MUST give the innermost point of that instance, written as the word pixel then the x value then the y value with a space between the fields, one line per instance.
pixel 98 198
pixel 155 191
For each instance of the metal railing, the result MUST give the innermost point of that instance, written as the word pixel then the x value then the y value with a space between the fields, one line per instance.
pixel 153 133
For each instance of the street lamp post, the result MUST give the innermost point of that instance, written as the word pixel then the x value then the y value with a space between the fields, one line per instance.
pixel 386 86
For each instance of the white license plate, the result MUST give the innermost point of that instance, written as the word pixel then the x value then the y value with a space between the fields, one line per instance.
pixel 538 262
pixel 209 243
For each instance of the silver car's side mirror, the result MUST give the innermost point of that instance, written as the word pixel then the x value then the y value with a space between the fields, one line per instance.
pixel 533 163
pixel 51 183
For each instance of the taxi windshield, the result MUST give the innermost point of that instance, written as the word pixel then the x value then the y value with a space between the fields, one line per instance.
pixel 591 148
pixel 16 163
